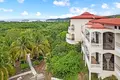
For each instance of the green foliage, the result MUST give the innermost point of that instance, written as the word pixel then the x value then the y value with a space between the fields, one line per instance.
pixel 67 65
pixel 24 66
pixel 40 38
pixel 40 58
pixel 36 62
pixel 111 78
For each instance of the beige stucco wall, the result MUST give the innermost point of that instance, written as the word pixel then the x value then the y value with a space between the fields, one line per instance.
pixel 78 23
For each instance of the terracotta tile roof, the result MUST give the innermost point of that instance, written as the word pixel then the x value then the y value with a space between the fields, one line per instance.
pixel 89 23
pixel 109 21
pixel 96 26
pixel 87 15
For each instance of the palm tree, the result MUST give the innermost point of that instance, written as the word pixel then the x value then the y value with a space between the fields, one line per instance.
pixel 20 48
pixel 41 46
pixel 6 69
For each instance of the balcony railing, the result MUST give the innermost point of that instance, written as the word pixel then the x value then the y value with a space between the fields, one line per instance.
pixel 71 28
pixel 118 44
pixel 95 66
pixel 69 36
pixel 118 67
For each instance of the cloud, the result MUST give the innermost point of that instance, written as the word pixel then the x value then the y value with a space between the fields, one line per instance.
pixel 20 1
pixel 106 13
pixel 61 2
pixel 117 4
pixel 105 6
pixel 1 1
pixel 92 5
pixel 25 13
pixel 38 14
pixel 74 11
pixel 63 16
pixel 77 10
pixel 6 10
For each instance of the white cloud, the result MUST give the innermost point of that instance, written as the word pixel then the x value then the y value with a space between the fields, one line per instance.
pixel 77 10
pixel 74 11
pixel 1 1
pixel 63 16
pixel 106 13
pixel 20 1
pixel 117 4
pixel 38 14
pixel 6 10
pixel 105 6
pixel 61 2
pixel 92 5
pixel 25 13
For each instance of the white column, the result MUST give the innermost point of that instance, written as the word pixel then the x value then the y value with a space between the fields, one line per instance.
pixel 90 60
pixel 89 75
pixel 101 61
pixel 90 36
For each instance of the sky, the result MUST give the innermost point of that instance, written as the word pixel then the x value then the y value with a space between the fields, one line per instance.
pixel 44 9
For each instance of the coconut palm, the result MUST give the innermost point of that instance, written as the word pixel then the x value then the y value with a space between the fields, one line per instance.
pixel 6 69
pixel 41 46
pixel 20 48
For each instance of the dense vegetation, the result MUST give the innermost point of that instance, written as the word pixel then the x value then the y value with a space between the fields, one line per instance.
pixel 39 38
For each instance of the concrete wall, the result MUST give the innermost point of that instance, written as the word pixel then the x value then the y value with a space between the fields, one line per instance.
pixel 78 23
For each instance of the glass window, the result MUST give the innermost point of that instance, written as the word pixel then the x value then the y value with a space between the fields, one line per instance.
pixel 115 27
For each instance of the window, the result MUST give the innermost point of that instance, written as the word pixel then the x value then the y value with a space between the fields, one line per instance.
pixel 115 27
pixel 119 27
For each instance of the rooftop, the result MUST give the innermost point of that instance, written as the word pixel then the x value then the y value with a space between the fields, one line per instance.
pixel 87 15
pixel 96 26
pixel 109 21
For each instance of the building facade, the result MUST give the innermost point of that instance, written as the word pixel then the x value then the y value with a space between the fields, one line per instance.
pixel 100 40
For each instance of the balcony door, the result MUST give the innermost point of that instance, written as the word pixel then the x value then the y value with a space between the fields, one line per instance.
pixel 108 41
pixel 108 62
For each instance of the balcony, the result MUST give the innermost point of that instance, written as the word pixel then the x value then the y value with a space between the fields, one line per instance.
pixel 70 39
pixel 117 48
pixel 95 65
pixel 71 29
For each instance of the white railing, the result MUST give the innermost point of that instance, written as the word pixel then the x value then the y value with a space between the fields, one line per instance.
pixel 71 28
pixel 69 36
pixel 118 44
pixel 95 66
pixel 118 67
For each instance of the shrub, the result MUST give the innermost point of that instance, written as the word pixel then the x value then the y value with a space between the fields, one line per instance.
pixel 40 58
pixel 24 66
pixel 36 62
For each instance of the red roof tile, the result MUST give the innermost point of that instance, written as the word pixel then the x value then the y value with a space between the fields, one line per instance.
pixel 89 23
pixel 97 26
pixel 109 21
pixel 87 15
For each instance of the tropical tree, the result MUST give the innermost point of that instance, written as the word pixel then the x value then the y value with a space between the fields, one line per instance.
pixel 41 46
pixel 20 48
pixel 6 68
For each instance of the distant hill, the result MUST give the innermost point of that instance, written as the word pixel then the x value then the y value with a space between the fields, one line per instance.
pixel 58 20
pixel 114 16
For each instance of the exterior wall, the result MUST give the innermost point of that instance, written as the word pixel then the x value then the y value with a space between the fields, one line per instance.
pixel 117 68
pixel 78 23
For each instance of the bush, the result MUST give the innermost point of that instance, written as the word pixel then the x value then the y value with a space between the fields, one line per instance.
pixel 24 66
pixel 36 62
pixel 63 67
pixel 40 58
pixel 111 78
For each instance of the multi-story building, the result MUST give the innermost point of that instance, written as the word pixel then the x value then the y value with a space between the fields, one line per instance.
pixel 76 23
pixel 100 40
